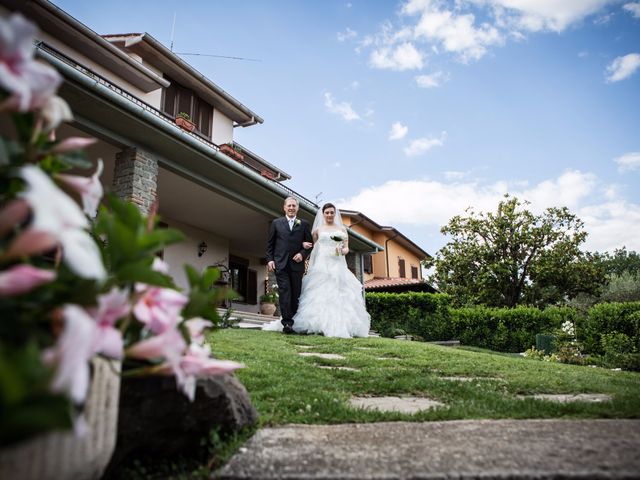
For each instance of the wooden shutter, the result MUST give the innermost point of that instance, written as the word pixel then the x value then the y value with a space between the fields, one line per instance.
pixel 414 272
pixel 169 99
pixel 401 268
pixel 252 287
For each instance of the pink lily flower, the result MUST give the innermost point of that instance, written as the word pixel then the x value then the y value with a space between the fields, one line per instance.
pixel 30 83
pixel 22 279
pixel 13 214
pixel 72 352
pixel 198 363
pixel 159 308
pixel 53 113
pixel 89 188
pixel 111 307
pixel 72 144
pixel 196 327
pixel 57 214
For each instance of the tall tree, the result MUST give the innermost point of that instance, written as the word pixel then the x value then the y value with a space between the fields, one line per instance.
pixel 514 256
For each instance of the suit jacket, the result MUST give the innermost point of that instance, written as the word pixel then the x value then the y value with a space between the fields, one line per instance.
pixel 283 243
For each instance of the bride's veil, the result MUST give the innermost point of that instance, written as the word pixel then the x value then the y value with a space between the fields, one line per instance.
pixel 318 222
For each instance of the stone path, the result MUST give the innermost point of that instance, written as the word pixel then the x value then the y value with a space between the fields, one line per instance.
pixel 478 449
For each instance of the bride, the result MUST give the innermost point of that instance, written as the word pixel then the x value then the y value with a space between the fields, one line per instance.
pixel 331 301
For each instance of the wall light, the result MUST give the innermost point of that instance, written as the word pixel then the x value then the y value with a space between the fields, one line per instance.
pixel 202 248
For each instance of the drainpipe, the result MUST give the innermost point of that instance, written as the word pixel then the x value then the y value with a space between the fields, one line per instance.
pixel 386 252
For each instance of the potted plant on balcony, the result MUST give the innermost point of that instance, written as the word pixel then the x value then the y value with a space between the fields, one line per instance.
pixel 183 120
pixel 232 150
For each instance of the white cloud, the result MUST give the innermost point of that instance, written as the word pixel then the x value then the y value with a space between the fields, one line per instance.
pixel 398 131
pixel 633 8
pixel 343 109
pixel 355 85
pixel 583 54
pixel 469 28
pixel 456 33
pixel 623 67
pixel 430 204
pixel 628 161
pixel 401 57
pixel 552 15
pixel 348 34
pixel 424 144
pixel 432 80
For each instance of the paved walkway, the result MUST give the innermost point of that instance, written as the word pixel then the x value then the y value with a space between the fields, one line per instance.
pixel 466 449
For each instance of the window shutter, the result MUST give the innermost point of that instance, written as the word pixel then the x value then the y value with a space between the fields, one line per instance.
pixel 401 268
pixel 414 272
pixel 252 287
pixel 169 100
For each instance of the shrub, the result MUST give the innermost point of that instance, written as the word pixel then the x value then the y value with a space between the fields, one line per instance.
pixel 607 318
pixel 419 314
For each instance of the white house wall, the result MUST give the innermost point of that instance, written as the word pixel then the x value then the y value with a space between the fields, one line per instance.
pixel 186 252
pixel 222 128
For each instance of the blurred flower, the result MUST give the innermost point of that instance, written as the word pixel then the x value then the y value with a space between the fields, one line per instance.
pixel 159 308
pixel 90 188
pixel 29 83
pixel 111 307
pixel 57 214
pixel 53 113
pixel 196 327
pixel 23 278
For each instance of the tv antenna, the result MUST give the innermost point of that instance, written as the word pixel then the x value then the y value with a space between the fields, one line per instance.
pixel 173 30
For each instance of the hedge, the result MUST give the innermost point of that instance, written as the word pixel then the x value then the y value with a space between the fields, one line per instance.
pixel 609 318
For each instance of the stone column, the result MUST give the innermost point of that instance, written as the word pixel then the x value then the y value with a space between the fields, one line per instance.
pixel 135 177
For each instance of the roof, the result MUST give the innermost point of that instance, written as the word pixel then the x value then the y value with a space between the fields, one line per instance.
pixel 394 232
pixel 156 54
pixel 59 24
pixel 398 284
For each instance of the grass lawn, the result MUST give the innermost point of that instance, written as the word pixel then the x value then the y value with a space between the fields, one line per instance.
pixel 288 388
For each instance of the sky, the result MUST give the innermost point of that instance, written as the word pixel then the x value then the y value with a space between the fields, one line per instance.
pixel 413 111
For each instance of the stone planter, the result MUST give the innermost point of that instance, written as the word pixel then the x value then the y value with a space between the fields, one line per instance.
pixel 267 308
pixel 65 455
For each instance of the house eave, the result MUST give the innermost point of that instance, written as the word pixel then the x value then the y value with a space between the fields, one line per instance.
pixel 156 54
pixel 59 24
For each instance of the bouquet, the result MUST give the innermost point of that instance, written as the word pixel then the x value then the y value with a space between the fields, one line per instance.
pixel 78 279
pixel 339 238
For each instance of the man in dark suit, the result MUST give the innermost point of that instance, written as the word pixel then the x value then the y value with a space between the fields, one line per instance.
pixel 286 255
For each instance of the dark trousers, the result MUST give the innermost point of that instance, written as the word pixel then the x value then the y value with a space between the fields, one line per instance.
pixel 289 286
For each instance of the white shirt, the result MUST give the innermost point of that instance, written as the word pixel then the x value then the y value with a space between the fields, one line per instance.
pixel 291 221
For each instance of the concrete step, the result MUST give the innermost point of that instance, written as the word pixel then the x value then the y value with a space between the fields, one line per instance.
pixel 463 449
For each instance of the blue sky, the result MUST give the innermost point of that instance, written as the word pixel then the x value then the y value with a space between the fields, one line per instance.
pixel 413 111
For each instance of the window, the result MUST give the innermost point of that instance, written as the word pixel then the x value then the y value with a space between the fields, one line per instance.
pixel 367 263
pixel 176 99
pixel 401 268
pixel 243 280
pixel 414 271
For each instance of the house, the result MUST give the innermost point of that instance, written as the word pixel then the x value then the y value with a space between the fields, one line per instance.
pixel 394 269
pixel 127 91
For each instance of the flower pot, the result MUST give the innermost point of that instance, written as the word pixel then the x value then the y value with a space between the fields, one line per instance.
pixel 267 308
pixel 229 151
pixel 186 124
pixel 67 455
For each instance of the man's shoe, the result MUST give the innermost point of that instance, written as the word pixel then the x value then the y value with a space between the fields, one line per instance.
pixel 288 329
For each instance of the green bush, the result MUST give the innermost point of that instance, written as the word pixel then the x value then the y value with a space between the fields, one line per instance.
pixel 606 318
pixel 425 315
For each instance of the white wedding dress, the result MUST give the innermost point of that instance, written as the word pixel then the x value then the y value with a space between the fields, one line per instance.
pixel 331 302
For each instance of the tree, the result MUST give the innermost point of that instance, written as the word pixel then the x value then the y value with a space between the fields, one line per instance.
pixel 513 256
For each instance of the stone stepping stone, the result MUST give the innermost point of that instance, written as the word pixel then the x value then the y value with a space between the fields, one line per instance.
pixel 406 404
pixel 304 346
pixel 329 367
pixel 363 348
pixel 468 379
pixel 328 356
pixel 566 398
pixel 386 358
